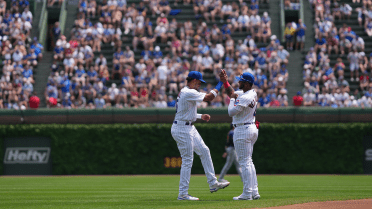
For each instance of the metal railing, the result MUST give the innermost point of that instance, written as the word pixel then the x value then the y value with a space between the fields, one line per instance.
pixel 302 10
pixel 282 20
pixel 62 17
pixel 43 24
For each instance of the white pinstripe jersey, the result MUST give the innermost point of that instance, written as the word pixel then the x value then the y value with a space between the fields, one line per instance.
pixel 248 101
pixel 186 105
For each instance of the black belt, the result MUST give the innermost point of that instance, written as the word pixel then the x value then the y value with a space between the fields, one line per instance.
pixel 235 125
pixel 186 123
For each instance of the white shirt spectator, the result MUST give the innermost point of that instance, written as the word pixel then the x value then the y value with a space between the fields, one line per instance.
pixel 249 42
pixel 100 103
pixel 103 61
pixel 345 96
pixel 346 9
pixel 97 31
pixel 140 67
pixel 243 19
pixel 160 30
pixel 27 26
pixel 255 19
pixel 78 54
pixel 282 98
pixel 198 58
pixel 309 97
pixel 112 3
pixel 220 50
pixel 17 56
pixel 127 20
pixel 27 14
pixel 326 97
pixel 358 42
pixel 140 18
pixel 69 62
pixel 162 72
pixel 353 57
pixel 207 62
pixel 118 32
pixel 226 8
pixel 207 3
pixel 113 92
pixel 331 84
pixel 282 54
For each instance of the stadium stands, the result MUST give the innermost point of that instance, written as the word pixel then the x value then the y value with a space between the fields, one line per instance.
pixel 336 68
pixel 20 54
pixel 138 54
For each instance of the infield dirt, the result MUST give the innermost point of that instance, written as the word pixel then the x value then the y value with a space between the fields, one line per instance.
pixel 347 204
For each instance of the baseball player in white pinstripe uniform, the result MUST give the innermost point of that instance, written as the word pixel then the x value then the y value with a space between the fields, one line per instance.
pixel 242 109
pixel 187 137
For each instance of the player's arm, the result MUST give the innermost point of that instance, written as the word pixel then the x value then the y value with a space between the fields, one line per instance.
pixel 234 109
pixel 204 117
pixel 229 90
pixel 213 93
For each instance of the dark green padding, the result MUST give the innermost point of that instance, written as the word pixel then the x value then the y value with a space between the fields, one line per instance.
pixel 141 149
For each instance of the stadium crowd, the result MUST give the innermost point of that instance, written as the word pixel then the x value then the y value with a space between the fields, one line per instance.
pixel 324 84
pixel 20 55
pixel 168 51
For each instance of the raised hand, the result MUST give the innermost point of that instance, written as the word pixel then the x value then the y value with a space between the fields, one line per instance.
pixel 223 76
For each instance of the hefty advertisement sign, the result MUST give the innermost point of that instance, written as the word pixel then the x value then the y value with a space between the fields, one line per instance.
pixel 27 155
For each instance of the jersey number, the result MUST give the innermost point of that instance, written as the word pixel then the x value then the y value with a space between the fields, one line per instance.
pixel 252 105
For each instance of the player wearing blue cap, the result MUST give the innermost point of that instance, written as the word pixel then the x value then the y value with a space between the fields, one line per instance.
pixel 242 109
pixel 187 137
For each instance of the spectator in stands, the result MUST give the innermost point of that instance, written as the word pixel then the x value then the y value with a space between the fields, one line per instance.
pixel 301 28
pixel 319 10
pixel 353 58
pixel 364 81
pixel 38 48
pixel 34 101
pixel 58 52
pixel 289 33
pixel 321 43
pixel 345 10
pixel 297 100
pixel 332 42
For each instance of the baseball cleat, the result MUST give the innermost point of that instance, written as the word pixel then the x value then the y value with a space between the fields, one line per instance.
pixel 187 197
pixel 256 197
pixel 222 180
pixel 242 197
pixel 218 185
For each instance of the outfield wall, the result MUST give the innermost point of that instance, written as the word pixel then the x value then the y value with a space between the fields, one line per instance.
pixel 150 115
pixel 150 148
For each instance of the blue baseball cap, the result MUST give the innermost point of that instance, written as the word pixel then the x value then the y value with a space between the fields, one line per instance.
pixel 196 75
pixel 246 77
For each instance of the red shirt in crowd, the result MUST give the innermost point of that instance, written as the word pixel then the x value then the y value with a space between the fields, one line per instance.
pixel 144 93
pixel 366 77
pixel 34 102
pixel 74 44
pixel 274 103
pixel 297 100
pixel 68 52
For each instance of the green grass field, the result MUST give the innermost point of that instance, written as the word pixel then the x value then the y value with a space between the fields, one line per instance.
pixel 161 191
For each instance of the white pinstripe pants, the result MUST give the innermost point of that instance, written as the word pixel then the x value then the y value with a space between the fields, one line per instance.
pixel 230 159
pixel 244 139
pixel 189 141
